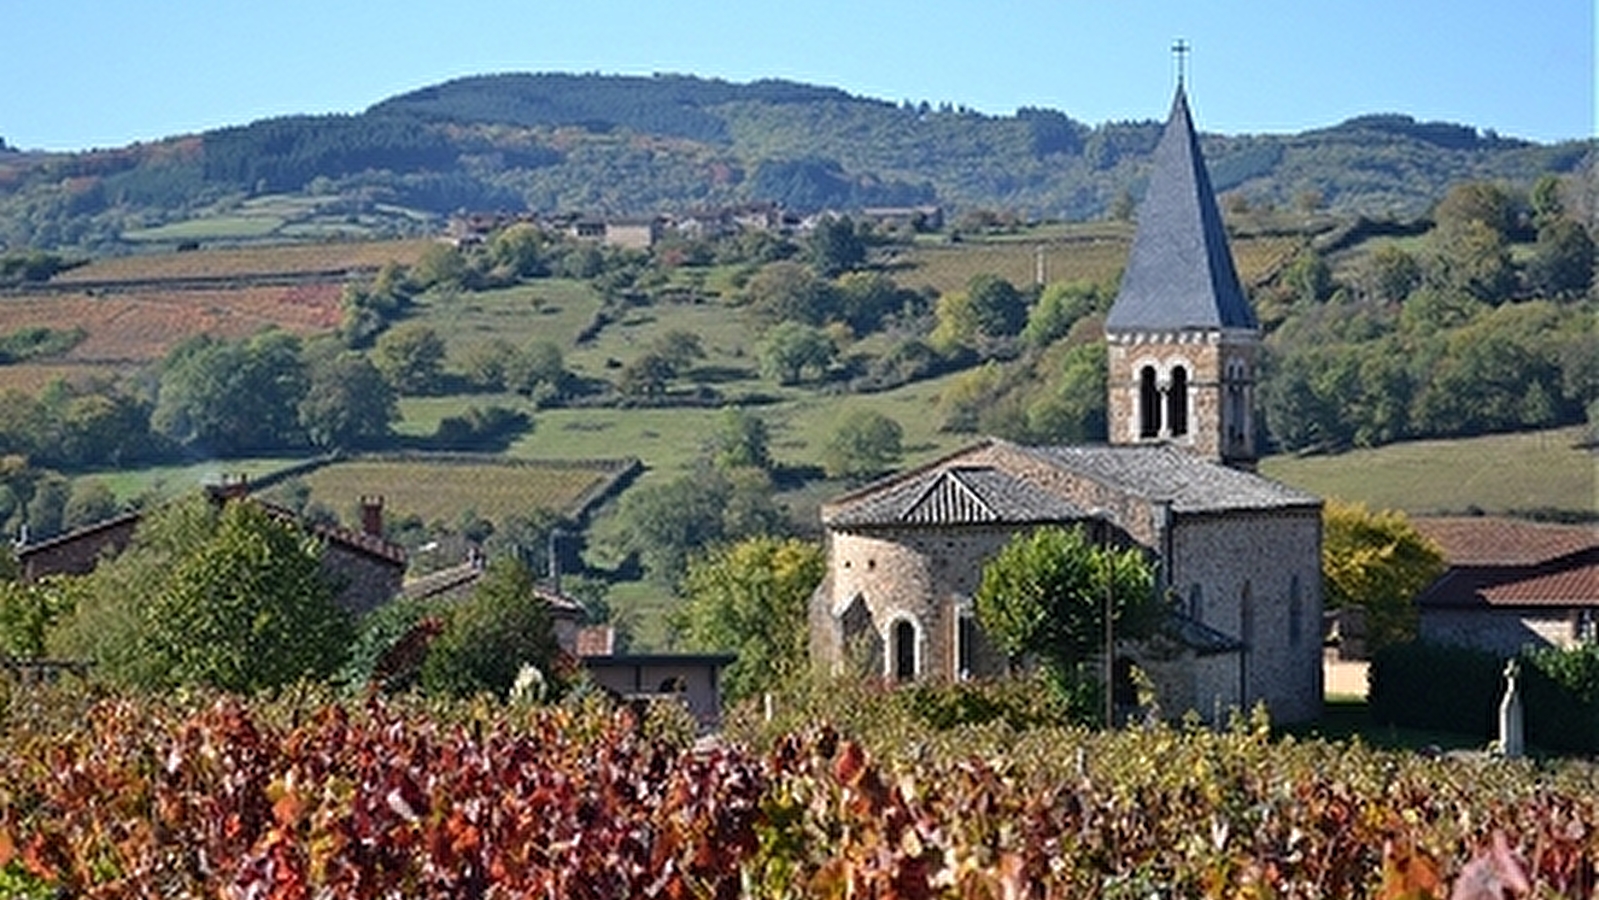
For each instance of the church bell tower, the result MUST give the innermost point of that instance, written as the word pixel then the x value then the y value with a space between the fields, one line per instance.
pixel 1183 341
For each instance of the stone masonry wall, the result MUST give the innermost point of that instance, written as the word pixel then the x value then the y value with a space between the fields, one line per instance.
pixel 1502 631
pixel 1253 561
pixel 1213 363
pixel 918 573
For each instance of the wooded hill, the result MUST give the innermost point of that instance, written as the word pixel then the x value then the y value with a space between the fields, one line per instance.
pixel 620 145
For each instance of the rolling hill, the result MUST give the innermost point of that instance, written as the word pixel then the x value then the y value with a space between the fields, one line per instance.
pixel 631 145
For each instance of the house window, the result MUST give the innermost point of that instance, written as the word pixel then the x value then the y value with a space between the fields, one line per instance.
pixel 1177 403
pixel 902 650
pixel 1148 403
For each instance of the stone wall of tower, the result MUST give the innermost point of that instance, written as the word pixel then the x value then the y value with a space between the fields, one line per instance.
pixel 1215 364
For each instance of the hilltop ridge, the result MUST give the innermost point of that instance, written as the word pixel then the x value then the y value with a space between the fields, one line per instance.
pixel 630 145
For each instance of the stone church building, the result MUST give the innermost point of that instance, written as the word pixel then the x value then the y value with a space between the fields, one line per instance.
pixel 1239 555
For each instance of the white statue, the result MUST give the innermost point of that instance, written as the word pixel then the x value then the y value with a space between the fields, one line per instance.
pixel 1512 742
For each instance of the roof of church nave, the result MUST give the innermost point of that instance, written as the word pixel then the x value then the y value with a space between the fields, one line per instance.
pixel 952 491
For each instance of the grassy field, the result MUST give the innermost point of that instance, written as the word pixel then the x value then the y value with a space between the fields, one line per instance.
pixel 1541 470
pixel 550 309
pixel 162 482
pixel 285 259
pixel 1096 256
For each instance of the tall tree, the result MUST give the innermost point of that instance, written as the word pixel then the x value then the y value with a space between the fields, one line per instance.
pixel 232 397
pixel 411 357
pixel 740 440
pixel 1377 563
pixel 834 247
pixel 486 640
pixel 1045 595
pixel 866 443
pixel 789 352
pixel 750 598
pixel 787 291
pixel 348 405
pixel 247 609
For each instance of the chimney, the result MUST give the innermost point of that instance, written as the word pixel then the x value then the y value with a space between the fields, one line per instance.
pixel 372 514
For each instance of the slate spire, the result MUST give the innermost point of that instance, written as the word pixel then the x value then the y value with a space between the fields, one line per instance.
pixel 1180 274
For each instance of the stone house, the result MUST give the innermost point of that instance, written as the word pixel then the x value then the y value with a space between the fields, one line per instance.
pixel 458 582
pixel 1239 555
pixel 367 568
pixel 1510 584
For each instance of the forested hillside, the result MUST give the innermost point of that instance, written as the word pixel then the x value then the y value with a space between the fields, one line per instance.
pixel 629 145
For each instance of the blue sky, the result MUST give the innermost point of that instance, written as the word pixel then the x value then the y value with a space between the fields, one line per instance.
pixel 76 74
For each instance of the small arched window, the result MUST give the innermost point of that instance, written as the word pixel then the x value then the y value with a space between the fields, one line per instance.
pixel 1148 403
pixel 965 643
pixel 1177 402
pixel 902 650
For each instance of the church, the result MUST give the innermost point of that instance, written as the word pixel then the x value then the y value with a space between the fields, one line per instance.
pixel 1239 555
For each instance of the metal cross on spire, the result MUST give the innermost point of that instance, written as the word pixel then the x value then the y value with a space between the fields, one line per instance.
pixel 1180 49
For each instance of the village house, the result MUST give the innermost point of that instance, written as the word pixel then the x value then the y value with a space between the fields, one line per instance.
pixel 1511 584
pixel 1239 555
pixel 366 567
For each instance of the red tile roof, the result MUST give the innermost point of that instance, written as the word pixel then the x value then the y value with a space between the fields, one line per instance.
pixel 1513 563
pixel 1493 541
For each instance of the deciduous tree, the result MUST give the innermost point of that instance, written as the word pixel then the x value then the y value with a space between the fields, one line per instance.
pixel 248 608
pixel 1045 595
pixel 750 598
pixel 349 405
pixel 487 639
pixel 866 443
pixel 411 357
pixel 1377 563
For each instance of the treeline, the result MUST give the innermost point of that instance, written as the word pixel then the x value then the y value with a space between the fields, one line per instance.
pixel 1472 329
pixel 675 105
pixel 630 145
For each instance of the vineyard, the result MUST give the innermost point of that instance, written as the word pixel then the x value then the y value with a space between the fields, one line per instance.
pixel 297 799
pixel 439 488
pixel 141 326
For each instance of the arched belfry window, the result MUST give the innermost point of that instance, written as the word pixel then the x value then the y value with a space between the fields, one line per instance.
pixel 1177 402
pixel 1148 403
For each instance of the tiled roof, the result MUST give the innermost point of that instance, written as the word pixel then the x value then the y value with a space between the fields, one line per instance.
pixel 372 545
pixel 951 492
pixel 1494 541
pixel 1512 563
pixel 1570 581
pixel 443 581
pixel 1180 272
pixel 1191 484
pixel 360 541
pixel 79 533
pixel 959 495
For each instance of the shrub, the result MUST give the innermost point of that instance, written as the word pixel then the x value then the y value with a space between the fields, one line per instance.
pixel 1432 686
pixel 487 639
pixel 1459 689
